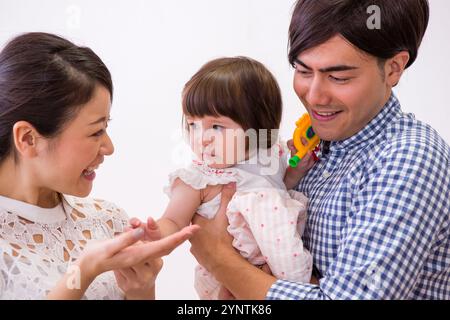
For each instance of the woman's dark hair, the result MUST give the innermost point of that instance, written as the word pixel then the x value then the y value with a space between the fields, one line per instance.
pixel 44 80
pixel 402 26
pixel 239 88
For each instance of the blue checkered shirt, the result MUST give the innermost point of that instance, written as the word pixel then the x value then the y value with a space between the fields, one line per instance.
pixel 378 224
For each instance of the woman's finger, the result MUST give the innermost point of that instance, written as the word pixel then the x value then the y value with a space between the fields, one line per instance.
pixel 129 273
pixel 162 247
pixel 119 276
pixel 122 241
pixel 139 253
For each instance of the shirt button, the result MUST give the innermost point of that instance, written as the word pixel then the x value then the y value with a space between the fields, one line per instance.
pixel 326 174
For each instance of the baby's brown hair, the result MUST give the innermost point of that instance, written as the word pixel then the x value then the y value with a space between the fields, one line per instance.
pixel 239 88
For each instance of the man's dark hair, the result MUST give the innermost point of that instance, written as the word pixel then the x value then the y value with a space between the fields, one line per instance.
pixel 402 27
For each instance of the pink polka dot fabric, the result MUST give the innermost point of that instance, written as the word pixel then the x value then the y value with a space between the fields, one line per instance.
pixel 265 220
pixel 266 226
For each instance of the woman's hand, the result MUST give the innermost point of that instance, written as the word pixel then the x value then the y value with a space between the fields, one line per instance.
pixel 293 175
pixel 138 282
pixel 120 252
pixel 124 251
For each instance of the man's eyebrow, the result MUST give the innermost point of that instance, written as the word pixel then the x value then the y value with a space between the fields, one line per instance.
pixel 102 119
pixel 337 68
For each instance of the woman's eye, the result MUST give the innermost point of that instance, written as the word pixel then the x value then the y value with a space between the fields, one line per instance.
pixel 99 133
pixel 217 127
pixel 192 125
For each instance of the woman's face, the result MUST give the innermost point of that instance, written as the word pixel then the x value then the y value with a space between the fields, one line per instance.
pixel 68 162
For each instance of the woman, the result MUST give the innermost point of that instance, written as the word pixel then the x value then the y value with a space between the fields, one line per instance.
pixel 55 100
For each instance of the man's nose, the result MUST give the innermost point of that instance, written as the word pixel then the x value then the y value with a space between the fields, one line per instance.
pixel 317 94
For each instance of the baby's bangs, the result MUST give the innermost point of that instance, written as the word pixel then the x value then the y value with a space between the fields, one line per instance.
pixel 209 96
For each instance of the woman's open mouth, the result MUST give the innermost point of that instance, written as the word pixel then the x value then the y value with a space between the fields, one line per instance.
pixel 89 173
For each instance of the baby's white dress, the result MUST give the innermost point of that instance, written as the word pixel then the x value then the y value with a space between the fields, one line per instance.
pixel 265 220
pixel 37 245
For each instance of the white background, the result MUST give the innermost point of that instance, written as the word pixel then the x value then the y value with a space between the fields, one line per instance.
pixel 153 47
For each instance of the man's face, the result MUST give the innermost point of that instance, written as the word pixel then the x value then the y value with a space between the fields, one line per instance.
pixel 341 87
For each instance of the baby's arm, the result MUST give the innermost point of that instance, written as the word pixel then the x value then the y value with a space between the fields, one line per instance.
pixel 182 206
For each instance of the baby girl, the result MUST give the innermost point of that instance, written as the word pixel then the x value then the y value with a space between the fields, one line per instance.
pixel 232 111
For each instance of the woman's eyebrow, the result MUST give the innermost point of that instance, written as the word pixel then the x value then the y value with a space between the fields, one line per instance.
pixel 100 120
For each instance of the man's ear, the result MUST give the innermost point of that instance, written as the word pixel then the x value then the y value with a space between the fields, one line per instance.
pixel 25 138
pixel 395 67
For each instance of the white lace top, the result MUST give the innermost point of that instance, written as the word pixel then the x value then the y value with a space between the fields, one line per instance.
pixel 37 245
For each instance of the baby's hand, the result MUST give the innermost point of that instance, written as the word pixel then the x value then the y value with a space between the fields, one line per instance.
pixel 151 228
pixel 293 175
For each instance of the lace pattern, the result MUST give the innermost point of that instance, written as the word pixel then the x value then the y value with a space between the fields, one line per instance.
pixel 35 255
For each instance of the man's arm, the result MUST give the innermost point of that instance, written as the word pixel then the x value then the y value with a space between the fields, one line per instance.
pixel 399 214
pixel 385 243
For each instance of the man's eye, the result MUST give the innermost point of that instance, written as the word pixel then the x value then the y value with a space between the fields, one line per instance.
pixel 339 80
pixel 303 73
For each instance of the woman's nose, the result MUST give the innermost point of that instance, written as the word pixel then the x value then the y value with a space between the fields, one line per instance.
pixel 107 147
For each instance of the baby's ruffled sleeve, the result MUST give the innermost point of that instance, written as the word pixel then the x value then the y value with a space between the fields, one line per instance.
pixel 198 180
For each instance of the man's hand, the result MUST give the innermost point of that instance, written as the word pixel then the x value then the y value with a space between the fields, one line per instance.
pixel 212 243
pixel 293 175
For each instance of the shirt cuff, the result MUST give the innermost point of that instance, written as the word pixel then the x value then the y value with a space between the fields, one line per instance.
pixel 287 290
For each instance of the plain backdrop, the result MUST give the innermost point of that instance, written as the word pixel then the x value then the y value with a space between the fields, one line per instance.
pixel 153 47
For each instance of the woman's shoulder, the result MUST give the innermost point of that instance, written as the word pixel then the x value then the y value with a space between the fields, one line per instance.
pixel 96 208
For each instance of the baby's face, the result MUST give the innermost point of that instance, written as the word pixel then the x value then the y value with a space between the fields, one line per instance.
pixel 218 141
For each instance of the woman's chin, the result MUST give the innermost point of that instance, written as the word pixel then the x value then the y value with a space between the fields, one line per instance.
pixel 80 192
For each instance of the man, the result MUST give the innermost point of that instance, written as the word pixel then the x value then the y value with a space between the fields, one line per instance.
pixel 378 216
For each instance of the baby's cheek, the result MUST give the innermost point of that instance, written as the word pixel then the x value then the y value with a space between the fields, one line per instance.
pixel 195 146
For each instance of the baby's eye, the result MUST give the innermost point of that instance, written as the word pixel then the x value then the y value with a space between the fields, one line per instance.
pixel 217 127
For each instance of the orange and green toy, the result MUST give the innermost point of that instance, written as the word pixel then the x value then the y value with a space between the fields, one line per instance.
pixel 305 139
